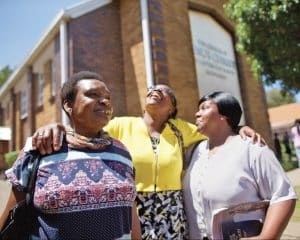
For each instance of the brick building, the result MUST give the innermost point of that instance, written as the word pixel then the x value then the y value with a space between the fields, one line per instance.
pixel 188 44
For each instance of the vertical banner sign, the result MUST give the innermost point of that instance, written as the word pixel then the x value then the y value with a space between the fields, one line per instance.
pixel 214 54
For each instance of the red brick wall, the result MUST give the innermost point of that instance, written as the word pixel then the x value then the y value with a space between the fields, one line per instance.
pixel 96 45
pixel 182 76
pixel 13 115
pixel 133 56
pixel 56 74
pixel 47 112
pixel 3 150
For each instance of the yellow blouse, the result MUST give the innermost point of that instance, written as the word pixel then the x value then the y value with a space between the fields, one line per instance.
pixel 166 173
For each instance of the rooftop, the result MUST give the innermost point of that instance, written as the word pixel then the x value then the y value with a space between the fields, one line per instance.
pixel 284 116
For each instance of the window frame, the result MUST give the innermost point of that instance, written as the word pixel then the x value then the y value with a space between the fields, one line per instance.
pixel 41 83
pixel 23 104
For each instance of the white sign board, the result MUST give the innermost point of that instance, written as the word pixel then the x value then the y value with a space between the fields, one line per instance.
pixel 5 133
pixel 214 54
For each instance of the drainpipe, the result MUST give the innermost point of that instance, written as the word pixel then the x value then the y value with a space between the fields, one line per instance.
pixel 147 42
pixel 64 61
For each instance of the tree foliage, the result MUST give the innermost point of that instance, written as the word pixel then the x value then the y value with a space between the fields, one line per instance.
pixel 268 32
pixel 275 98
pixel 4 74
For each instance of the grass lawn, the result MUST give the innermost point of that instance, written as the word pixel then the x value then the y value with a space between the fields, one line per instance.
pixel 286 163
pixel 296 215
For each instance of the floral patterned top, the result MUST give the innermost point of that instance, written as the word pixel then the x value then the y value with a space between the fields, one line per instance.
pixel 80 194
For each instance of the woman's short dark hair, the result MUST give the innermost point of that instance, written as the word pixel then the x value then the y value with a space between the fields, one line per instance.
pixel 174 103
pixel 69 89
pixel 228 106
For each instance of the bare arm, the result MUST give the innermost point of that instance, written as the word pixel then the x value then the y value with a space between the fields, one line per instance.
pixel 136 226
pixel 48 138
pixel 14 197
pixel 277 218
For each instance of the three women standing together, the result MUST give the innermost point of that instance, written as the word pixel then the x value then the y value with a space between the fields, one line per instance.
pixel 155 142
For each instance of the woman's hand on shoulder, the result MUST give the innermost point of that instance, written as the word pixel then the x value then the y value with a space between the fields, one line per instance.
pixel 48 138
pixel 246 131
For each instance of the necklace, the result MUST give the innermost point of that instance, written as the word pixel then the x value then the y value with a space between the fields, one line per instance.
pixel 155 141
pixel 95 143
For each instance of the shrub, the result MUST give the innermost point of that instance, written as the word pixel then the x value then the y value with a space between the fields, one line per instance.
pixel 10 158
pixel 289 165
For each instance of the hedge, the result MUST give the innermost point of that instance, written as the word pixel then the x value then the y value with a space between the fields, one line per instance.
pixel 10 158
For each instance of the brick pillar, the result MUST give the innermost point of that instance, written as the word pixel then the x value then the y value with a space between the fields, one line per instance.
pixel 56 74
pixel 1 116
pixel 159 50
pixel 31 100
pixel 12 117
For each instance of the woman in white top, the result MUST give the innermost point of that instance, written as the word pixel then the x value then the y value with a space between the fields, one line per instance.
pixel 225 171
pixel 295 132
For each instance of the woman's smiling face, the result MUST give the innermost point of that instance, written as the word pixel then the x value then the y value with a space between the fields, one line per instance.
pixel 91 109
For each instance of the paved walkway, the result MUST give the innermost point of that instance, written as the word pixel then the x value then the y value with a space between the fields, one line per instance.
pixel 4 190
pixel 293 229
pixel 294 176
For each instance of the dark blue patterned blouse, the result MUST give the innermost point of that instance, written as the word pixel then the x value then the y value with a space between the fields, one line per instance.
pixel 80 194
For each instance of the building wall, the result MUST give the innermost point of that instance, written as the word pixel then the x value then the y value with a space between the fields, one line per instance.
pixel 24 126
pixel 5 111
pixel 56 75
pixel 133 56
pixel 109 41
pixel 96 45
pixel 180 59
pixel 3 150
pixel 47 112
pixel 181 66
pixel 21 123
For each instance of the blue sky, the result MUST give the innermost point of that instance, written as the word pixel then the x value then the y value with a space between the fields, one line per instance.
pixel 23 22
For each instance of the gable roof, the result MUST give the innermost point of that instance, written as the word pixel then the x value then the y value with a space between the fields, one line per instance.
pixel 66 14
pixel 284 116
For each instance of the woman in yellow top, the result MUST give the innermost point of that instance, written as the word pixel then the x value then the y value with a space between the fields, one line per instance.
pixel 155 144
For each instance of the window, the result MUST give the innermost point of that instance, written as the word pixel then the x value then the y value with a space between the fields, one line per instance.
pixel 23 104
pixel 41 89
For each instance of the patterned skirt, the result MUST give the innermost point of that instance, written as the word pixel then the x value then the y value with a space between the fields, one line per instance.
pixel 161 215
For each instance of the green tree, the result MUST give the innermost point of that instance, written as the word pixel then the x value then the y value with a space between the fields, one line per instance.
pixel 275 98
pixel 268 32
pixel 4 74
